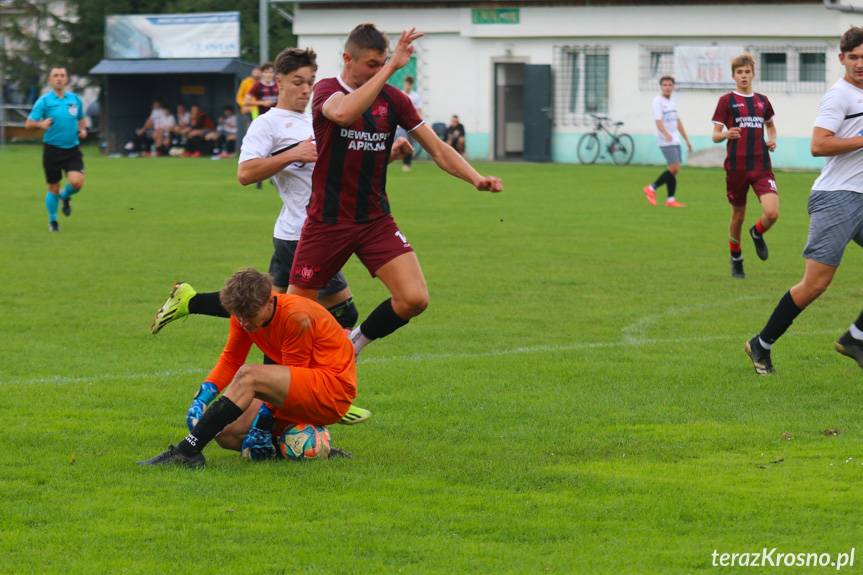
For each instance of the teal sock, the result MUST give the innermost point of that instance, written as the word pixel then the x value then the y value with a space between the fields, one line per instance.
pixel 52 202
pixel 68 191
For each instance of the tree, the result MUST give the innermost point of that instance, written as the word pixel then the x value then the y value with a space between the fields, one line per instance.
pixel 75 37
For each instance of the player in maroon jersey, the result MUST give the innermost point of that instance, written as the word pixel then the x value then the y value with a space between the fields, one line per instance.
pixel 741 118
pixel 265 93
pixel 355 116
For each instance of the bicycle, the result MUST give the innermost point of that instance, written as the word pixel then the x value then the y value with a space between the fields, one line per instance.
pixel 618 145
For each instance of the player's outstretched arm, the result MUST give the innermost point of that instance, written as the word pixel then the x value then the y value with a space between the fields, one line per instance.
pixel 451 161
pixel 343 109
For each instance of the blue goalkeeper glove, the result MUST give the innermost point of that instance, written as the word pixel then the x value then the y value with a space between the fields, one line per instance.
pixel 203 398
pixel 258 444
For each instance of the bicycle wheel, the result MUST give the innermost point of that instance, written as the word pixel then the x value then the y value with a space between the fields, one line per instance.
pixel 622 149
pixel 588 148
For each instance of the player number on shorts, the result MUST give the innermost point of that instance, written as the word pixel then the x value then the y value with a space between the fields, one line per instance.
pixel 772 184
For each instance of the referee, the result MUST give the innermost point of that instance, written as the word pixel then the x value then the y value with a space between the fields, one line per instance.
pixel 61 115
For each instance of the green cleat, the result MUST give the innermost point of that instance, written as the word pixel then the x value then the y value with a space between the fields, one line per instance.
pixel 355 415
pixel 176 307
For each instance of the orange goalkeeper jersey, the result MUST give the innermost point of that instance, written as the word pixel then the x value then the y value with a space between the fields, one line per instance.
pixel 301 334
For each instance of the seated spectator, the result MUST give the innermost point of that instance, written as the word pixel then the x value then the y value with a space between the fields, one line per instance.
pixel 199 124
pixel 162 132
pixel 225 136
pixel 181 129
pixel 144 135
pixel 454 135
pixel 264 94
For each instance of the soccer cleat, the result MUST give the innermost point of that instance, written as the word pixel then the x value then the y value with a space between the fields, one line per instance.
pixel 760 244
pixel 674 204
pixel 336 452
pixel 176 307
pixel 848 346
pixel 175 457
pixel 355 415
pixel 650 192
pixel 760 357
pixel 67 207
pixel 53 226
pixel 737 269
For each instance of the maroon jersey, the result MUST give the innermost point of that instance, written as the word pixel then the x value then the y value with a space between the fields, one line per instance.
pixel 261 91
pixel 749 113
pixel 350 176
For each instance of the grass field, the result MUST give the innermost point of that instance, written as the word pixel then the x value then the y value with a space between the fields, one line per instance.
pixel 576 399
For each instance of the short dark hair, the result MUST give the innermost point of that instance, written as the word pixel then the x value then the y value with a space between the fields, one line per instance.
pixel 246 292
pixel 852 38
pixel 366 37
pixel 266 66
pixel 664 78
pixel 291 59
pixel 410 80
pixel 57 67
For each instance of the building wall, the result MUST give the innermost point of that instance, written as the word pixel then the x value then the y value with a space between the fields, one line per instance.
pixel 456 63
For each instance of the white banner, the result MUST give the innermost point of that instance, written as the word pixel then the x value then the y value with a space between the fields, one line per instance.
pixel 704 66
pixel 204 35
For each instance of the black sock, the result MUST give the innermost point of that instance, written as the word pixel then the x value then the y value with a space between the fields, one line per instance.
pixel 663 179
pixel 207 304
pixel 382 321
pixel 217 417
pixel 783 316
pixel 672 184
pixel 269 360
pixel 346 313
pixel 859 321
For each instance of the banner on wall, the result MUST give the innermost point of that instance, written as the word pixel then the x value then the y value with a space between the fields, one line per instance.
pixel 704 66
pixel 203 35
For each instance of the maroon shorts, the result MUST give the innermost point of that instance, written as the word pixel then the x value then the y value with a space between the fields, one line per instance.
pixel 325 247
pixel 737 184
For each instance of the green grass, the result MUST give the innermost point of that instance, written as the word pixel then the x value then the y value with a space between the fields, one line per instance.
pixel 576 399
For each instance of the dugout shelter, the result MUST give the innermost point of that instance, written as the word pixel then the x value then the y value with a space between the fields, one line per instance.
pixel 174 58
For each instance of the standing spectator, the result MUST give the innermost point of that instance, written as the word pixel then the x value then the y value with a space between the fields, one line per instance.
pixel 245 116
pixel 669 128
pixel 61 115
pixel 417 101
pixel 454 135
pixel 835 207
pixel 741 117
pixel 264 94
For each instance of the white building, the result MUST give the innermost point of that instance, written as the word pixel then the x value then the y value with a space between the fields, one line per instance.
pixel 494 63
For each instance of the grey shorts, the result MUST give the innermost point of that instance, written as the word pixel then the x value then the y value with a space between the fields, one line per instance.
pixel 283 259
pixel 671 153
pixel 835 219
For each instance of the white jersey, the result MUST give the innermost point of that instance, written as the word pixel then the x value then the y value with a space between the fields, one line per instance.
pixel 665 110
pixel 416 99
pixel 841 112
pixel 274 132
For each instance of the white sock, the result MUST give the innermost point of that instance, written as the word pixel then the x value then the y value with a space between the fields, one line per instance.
pixel 359 340
pixel 855 333
pixel 764 344
pixel 669 200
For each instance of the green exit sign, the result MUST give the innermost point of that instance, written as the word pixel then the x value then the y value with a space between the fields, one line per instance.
pixel 501 16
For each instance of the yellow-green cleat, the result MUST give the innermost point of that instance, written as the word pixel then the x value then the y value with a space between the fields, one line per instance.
pixel 355 415
pixel 176 307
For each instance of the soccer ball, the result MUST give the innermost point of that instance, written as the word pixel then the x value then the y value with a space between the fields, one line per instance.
pixel 302 441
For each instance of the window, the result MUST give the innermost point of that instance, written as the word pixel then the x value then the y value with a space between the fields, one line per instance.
pixel 774 66
pixel 654 63
pixel 813 67
pixel 581 83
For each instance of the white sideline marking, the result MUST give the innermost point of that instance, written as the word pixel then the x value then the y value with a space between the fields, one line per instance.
pixel 422 357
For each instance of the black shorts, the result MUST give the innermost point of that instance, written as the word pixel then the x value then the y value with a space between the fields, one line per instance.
pixel 57 160
pixel 283 259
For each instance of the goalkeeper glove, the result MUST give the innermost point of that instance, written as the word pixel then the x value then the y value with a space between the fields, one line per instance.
pixel 205 396
pixel 258 444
